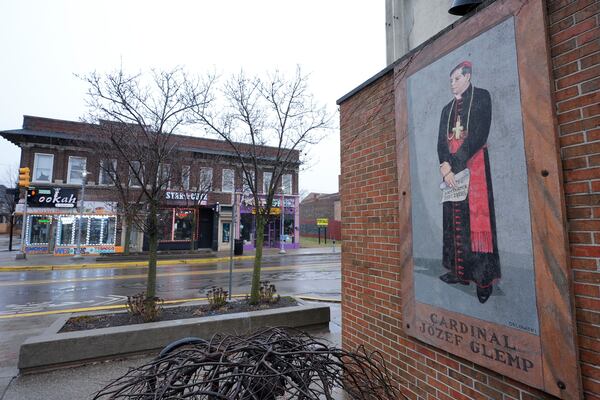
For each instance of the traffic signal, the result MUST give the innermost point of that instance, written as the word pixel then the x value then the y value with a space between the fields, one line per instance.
pixel 24 177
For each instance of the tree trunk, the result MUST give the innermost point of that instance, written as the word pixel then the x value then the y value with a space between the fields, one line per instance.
pixel 194 230
pixel 10 237
pixel 260 238
pixel 127 244
pixel 153 247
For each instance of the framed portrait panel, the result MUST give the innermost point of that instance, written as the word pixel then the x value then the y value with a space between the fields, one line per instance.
pixel 485 261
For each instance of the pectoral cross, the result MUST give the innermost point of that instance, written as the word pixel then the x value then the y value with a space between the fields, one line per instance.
pixel 458 129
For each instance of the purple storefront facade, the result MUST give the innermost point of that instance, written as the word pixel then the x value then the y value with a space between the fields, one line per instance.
pixel 246 229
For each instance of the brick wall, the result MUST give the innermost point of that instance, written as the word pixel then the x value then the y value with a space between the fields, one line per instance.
pixel 371 310
pixel 319 206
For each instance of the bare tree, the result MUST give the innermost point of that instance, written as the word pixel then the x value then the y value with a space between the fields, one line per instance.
pixel 11 198
pixel 267 122
pixel 139 118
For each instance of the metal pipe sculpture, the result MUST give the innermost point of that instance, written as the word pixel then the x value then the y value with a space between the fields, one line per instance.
pixel 276 363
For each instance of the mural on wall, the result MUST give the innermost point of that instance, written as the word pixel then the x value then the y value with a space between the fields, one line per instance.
pixel 470 249
pixel 473 274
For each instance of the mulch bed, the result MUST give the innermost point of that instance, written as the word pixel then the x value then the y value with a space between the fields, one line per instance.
pixel 168 314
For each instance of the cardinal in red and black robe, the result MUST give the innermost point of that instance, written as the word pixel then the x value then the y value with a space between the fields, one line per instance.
pixel 470 249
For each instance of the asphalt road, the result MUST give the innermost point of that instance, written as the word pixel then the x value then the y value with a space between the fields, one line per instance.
pixel 43 291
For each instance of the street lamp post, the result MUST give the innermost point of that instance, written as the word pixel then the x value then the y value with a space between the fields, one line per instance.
pixel 78 255
pixel 281 218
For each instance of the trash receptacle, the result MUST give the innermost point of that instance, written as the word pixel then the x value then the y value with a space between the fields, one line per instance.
pixel 238 248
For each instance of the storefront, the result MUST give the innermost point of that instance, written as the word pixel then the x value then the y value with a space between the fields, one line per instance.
pixel 290 213
pixel 186 217
pixel 52 222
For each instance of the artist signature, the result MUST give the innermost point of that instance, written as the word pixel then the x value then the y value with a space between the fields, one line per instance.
pixel 529 329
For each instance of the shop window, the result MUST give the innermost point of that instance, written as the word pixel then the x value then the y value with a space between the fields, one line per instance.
pixel 39 229
pixel 66 231
pixel 108 230
pixel 42 167
pixel 226 232
pixel 246 227
pixel 267 177
pixel 108 170
pixel 95 231
pixel 182 230
pixel 228 181
pixel 84 230
pixel 206 180
pixel 165 224
pixel 76 170
pixel 287 183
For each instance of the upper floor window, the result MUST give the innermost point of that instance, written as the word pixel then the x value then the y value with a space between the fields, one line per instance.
pixel 206 180
pixel 185 177
pixel 42 167
pixel 135 174
pixel 267 177
pixel 248 185
pixel 108 171
pixel 164 177
pixel 76 170
pixel 228 181
pixel 286 183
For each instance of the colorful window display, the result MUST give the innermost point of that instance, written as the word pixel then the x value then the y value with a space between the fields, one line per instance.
pixel 176 224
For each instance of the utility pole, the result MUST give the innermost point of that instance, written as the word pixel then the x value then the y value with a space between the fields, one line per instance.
pixel 24 182
pixel 78 255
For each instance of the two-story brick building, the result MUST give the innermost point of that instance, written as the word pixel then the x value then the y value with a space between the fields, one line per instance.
pixel 58 152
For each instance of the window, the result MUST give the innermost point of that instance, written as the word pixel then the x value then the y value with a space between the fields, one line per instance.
pixel 287 183
pixel 109 226
pixel 165 176
pixel 182 230
pixel 206 179
pixel 101 230
pixel 267 176
pixel 165 224
pixel 76 170
pixel 135 174
pixel 42 167
pixel 226 232
pixel 228 181
pixel 108 170
pixel 39 229
pixel 185 177
pixel 246 187
pixel 67 231
pixel 176 224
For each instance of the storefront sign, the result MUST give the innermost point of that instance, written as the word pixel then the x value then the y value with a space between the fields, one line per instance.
pixel 52 197
pixel 185 196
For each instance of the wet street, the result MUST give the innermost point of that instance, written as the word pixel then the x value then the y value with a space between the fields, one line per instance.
pixel 43 291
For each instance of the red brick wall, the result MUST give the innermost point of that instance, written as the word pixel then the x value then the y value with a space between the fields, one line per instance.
pixel 371 310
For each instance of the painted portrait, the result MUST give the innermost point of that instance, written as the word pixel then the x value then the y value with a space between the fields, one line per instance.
pixel 471 223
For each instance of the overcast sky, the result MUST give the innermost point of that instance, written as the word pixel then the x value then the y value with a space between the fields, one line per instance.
pixel 341 43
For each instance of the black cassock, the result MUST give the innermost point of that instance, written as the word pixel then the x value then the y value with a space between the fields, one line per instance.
pixel 463 253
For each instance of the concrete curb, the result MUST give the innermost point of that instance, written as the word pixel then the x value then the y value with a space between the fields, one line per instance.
pixel 52 350
pixel 142 264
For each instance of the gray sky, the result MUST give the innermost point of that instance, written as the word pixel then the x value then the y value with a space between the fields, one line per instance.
pixel 341 43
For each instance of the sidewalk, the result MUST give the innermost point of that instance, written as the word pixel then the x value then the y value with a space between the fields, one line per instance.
pixel 50 262
pixel 59 384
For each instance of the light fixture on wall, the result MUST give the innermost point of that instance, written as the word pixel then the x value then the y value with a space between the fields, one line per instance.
pixel 462 7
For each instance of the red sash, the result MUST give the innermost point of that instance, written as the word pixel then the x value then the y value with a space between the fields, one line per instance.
pixel 479 205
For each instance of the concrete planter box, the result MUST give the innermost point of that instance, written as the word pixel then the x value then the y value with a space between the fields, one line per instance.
pixel 53 350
